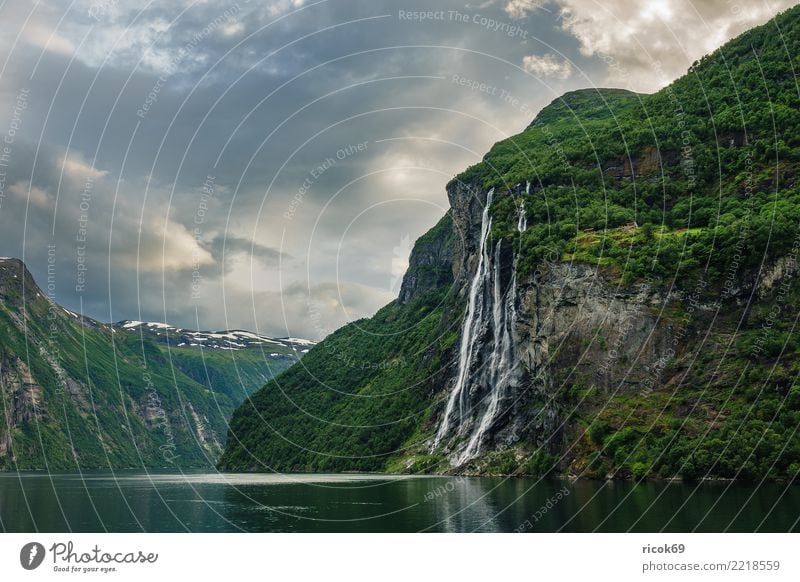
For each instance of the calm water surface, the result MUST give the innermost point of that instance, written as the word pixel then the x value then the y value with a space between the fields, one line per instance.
pixel 137 501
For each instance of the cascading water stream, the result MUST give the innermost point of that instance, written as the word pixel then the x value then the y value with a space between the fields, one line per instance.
pixel 522 222
pixel 490 367
pixel 500 367
pixel 472 323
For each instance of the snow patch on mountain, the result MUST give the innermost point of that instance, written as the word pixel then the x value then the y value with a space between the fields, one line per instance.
pixel 236 339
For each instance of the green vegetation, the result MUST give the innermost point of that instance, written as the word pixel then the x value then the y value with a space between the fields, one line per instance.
pixel 717 153
pixel 75 395
pixel 234 373
pixel 113 412
pixel 354 402
pixel 691 188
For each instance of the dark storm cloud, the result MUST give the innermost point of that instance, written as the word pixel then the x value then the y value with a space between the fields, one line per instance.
pixel 232 248
pixel 312 139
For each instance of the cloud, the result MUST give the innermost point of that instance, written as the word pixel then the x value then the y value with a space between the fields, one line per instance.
pixel 76 168
pixel 548 65
pixel 263 118
pixel 104 216
pixel 36 196
pixel 166 38
pixel 233 28
pixel 315 310
pixel 162 245
pixel 228 249
pixel 49 40
pixel 648 44
pixel 522 8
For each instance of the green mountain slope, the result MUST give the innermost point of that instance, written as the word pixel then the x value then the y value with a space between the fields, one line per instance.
pixel 357 396
pixel 672 221
pixel 77 393
pixel 232 362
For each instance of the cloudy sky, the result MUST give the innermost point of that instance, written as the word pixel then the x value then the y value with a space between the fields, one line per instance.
pixel 267 165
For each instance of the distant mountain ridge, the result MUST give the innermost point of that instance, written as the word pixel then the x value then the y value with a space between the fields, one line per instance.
pixel 235 339
pixel 78 393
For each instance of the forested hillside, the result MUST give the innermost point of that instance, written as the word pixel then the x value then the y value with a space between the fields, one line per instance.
pixel 80 394
pixel 643 249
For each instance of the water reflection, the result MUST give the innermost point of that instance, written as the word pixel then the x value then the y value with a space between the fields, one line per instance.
pixel 136 501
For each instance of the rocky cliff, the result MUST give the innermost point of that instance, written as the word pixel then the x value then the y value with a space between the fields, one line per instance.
pixel 610 295
pixel 431 262
pixel 566 322
pixel 79 394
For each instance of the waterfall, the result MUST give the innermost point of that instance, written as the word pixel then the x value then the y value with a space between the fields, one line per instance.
pixel 487 361
pixel 522 222
pixel 500 367
pixel 471 327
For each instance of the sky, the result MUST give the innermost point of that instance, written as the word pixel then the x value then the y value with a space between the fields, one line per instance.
pixel 268 165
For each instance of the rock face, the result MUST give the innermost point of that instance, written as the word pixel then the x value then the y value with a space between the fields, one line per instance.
pixel 510 361
pixel 22 393
pixel 467 203
pixel 576 319
pixel 527 338
pixel 523 340
pixel 650 162
pixel 78 393
pixel 75 394
pixel 431 261
pixel 488 375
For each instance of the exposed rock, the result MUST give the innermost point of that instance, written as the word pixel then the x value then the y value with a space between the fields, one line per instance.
pixel 23 397
pixel 430 264
pixel 573 318
pixel 648 162
pixel 204 434
pixel 568 323
pixel 466 209
pixel 16 283
pixel 732 139
pixel 63 376
pixel 770 277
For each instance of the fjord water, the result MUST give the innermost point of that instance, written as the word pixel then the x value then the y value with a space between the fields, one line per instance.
pixel 137 501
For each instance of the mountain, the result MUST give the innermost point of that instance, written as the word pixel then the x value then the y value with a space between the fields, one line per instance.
pixel 80 394
pixel 612 294
pixel 234 362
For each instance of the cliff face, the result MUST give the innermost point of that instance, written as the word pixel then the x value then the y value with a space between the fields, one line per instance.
pixel 431 262
pixel 623 293
pixel 74 395
pixel 24 398
pixel 610 296
pixel 503 391
pixel 544 355
pixel 78 393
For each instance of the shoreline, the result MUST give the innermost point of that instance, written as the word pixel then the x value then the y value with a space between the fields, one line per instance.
pixel 197 471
